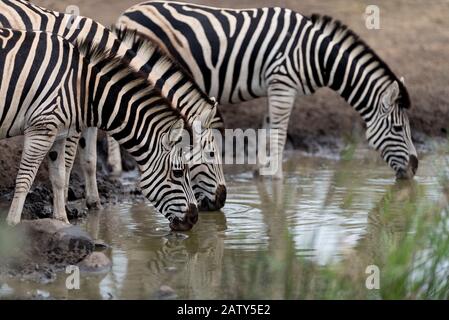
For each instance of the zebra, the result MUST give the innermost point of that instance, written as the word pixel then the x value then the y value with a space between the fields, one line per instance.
pixel 207 178
pixel 238 55
pixel 51 89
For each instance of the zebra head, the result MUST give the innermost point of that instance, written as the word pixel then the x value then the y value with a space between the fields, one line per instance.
pixel 389 131
pixel 207 174
pixel 166 181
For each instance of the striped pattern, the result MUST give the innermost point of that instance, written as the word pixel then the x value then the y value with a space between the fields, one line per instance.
pixel 239 55
pixel 179 88
pixel 47 100
pixel 208 179
pixel 39 99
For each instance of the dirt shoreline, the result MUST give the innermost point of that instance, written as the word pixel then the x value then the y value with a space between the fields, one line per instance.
pixel 413 41
pixel 39 201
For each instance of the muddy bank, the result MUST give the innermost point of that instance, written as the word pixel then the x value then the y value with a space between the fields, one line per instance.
pixel 39 200
pixel 38 250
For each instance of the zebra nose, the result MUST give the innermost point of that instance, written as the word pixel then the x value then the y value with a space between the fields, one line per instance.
pixel 192 214
pixel 220 196
pixel 190 218
pixel 413 164
pixel 207 204
pixel 411 169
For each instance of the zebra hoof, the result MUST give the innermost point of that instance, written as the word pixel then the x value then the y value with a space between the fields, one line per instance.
pixel 63 220
pixel 278 177
pixel 256 174
pixel 94 205
pixel 12 221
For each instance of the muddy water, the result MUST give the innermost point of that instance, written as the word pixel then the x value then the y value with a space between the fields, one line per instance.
pixel 324 211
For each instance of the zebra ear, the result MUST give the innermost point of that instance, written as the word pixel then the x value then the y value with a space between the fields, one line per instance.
pixel 391 94
pixel 175 133
pixel 214 101
pixel 207 117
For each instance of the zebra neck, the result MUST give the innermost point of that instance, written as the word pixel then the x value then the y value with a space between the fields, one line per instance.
pixel 123 103
pixel 130 115
pixel 176 86
pixel 358 77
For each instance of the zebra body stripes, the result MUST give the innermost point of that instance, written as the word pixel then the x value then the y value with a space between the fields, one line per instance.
pixel 208 179
pixel 65 90
pixel 239 55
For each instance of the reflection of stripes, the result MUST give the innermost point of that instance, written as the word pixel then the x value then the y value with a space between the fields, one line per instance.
pixel 239 55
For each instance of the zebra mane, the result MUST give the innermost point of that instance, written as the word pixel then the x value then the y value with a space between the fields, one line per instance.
pixel 107 61
pixel 149 48
pixel 341 32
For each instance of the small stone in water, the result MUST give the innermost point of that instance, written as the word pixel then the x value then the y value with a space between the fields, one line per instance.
pixel 176 236
pixel 165 292
pixel 95 262
pixel 171 269
pixel 100 245
pixel 42 294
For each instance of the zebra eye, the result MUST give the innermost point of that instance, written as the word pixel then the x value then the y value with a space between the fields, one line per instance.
pixel 212 154
pixel 178 173
pixel 397 128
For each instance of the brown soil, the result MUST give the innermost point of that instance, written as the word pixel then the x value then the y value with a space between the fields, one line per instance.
pixel 413 40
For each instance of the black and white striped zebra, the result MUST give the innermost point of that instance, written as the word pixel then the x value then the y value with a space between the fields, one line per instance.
pixel 51 89
pixel 238 55
pixel 207 178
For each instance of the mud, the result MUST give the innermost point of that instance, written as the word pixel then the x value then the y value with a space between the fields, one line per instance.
pixel 39 200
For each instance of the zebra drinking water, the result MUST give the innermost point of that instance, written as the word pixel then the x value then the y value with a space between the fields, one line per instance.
pixel 238 55
pixel 51 89
pixel 207 178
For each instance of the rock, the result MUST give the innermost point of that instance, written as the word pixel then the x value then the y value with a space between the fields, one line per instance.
pixel 165 292
pixel 100 245
pixel 75 211
pixel 96 262
pixel 41 295
pixel 52 241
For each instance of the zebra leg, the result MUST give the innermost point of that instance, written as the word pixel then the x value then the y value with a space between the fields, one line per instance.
pixel 280 104
pixel 35 147
pixel 71 145
pixel 114 157
pixel 56 166
pixel 88 156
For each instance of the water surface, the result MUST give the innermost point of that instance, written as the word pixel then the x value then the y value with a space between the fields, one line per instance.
pixel 326 210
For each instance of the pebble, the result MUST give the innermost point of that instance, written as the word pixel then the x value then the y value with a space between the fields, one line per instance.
pixel 166 293
pixel 100 245
pixel 96 262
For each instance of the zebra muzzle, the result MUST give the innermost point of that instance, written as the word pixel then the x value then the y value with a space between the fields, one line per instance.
pixel 220 198
pixel 190 219
pixel 410 172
